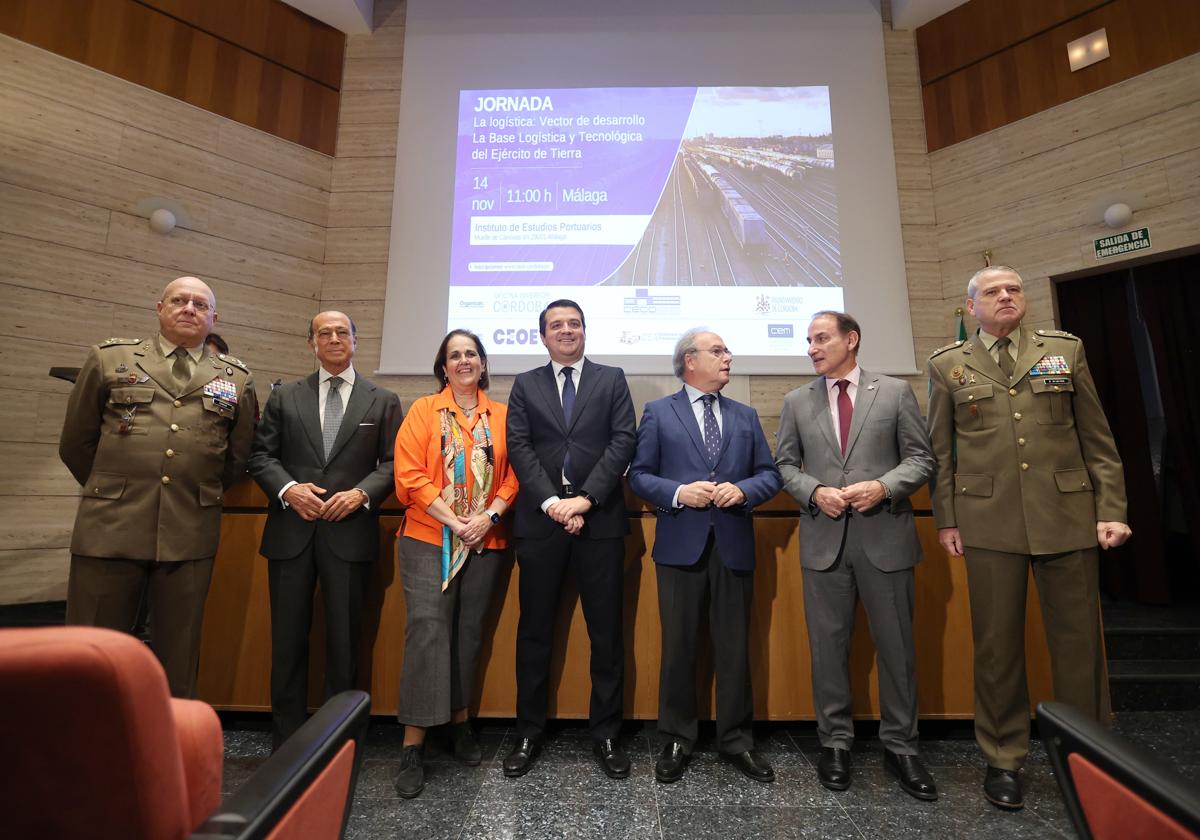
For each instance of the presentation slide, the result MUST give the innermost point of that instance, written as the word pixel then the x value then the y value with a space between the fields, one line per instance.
pixel 668 165
pixel 652 207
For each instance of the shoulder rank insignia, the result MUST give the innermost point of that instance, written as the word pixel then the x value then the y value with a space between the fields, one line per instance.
pixel 941 350
pixel 116 342
pixel 224 357
pixel 1057 334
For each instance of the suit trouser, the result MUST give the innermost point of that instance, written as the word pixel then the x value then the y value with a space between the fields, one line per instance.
pixel 107 591
pixel 830 600
pixel 681 595
pixel 598 566
pixel 443 631
pixel 1068 589
pixel 292 583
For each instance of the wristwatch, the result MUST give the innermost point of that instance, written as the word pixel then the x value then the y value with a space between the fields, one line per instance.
pixel 492 515
pixel 591 499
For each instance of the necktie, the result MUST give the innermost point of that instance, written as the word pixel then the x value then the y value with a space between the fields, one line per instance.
pixel 712 431
pixel 568 401
pixel 181 371
pixel 333 413
pixel 1007 363
pixel 845 411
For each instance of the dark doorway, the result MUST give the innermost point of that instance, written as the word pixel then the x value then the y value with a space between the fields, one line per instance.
pixel 1141 327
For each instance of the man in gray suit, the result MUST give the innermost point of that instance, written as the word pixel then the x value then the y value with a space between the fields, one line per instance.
pixel 323 455
pixel 852 448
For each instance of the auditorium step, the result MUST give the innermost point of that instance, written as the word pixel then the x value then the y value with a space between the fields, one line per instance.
pixel 1153 657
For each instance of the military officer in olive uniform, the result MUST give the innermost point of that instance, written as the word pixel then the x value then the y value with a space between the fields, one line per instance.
pixel 1028 475
pixel 156 430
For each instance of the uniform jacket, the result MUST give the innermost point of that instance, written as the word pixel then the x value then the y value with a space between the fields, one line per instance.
pixel 887 441
pixel 1026 467
pixel 289 447
pixel 670 453
pixel 154 460
pixel 601 437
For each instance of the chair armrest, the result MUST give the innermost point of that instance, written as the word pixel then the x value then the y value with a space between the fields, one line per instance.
pixel 1065 731
pixel 256 809
pixel 201 748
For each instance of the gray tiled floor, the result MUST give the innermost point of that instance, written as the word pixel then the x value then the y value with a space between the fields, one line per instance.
pixel 567 796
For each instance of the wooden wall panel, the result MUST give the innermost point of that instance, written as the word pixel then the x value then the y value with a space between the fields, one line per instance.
pixel 259 62
pixel 276 31
pixel 235 654
pixel 979 28
pixel 982 84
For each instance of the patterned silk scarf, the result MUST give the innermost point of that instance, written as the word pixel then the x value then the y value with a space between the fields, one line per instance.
pixel 468 485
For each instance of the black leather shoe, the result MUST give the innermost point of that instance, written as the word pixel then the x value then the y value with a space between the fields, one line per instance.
pixel 466 748
pixel 752 765
pixel 612 758
pixel 518 762
pixel 915 780
pixel 833 768
pixel 670 766
pixel 410 781
pixel 1003 789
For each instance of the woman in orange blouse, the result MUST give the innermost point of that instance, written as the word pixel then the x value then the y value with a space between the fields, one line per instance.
pixel 453 474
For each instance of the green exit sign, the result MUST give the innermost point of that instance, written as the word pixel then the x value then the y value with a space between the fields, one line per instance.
pixel 1122 243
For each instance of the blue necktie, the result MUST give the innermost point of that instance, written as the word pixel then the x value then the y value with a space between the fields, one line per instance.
pixel 712 431
pixel 568 401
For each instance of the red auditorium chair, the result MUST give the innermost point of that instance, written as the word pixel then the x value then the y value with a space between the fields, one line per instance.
pixel 94 747
pixel 1115 790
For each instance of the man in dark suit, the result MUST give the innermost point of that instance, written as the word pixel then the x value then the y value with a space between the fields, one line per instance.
pixel 570 437
pixel 852 449
pixel 323 456
pixel 703 461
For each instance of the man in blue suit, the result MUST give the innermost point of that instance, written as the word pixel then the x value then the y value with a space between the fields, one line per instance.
pixel 703 461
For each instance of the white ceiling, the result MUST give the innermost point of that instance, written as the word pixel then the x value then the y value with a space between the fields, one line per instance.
pixel 909 14
pixel 354 17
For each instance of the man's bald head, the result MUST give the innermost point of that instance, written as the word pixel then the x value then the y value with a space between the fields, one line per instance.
pixel 187 311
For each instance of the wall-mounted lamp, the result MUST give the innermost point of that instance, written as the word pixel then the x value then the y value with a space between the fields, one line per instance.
pixel 1086 51
pixel 1118 215
pixel 165 214
pixel 162 220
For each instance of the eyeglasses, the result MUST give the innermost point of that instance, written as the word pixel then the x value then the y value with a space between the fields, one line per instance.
pixel 199 304
pixel 340 332
pixel 718 352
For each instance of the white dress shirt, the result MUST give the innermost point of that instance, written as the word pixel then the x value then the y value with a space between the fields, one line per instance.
pixel 559 381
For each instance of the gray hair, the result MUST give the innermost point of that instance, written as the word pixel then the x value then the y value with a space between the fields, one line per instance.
pixel 973 283
pixel 685 345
